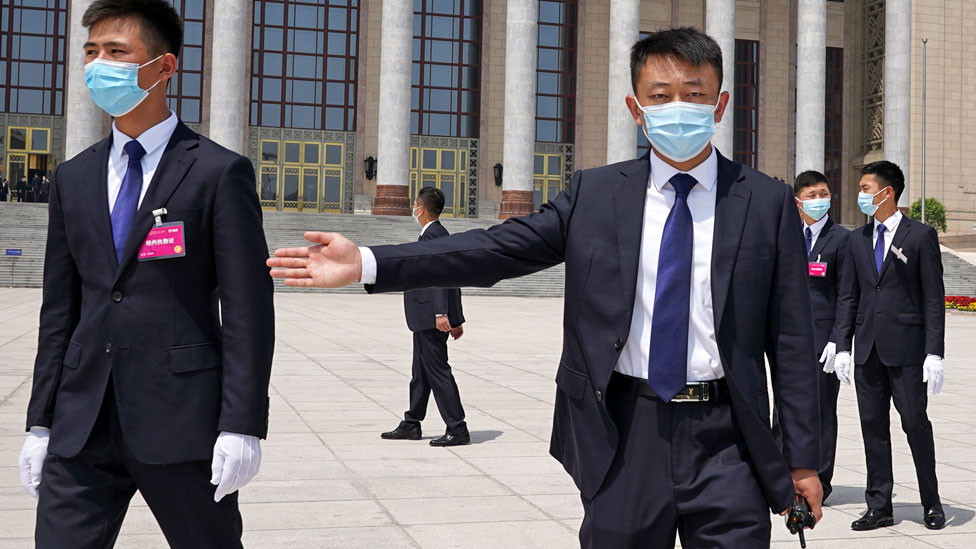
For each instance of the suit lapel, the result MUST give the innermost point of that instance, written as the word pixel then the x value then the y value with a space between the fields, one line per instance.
pixel 98 202
pixel 822 240
pixel 731 207
pixel 173 165
pixel 905 226
pixel 629 195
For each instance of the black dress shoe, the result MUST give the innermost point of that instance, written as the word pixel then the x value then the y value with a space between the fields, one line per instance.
pixel 402 432
pixel 872 520
pixel 935 518
pixel 452 440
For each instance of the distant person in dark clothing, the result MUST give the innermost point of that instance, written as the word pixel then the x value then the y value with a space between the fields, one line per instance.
pixel 22 189
pixel 4 190
pixel 45 189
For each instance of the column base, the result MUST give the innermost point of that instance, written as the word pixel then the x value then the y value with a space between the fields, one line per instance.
pixel 515 204
pixel 392 200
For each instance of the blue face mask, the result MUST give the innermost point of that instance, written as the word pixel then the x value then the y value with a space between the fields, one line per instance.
pixel 679 130
pixel 816 207
pixel 414 215
pixel 865 201
pixel 114 85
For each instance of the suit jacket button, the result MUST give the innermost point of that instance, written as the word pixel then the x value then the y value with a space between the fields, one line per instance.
pixel 599 396
pixel 618 344
pixel 877 289
pixel 116 296
pixel 108 348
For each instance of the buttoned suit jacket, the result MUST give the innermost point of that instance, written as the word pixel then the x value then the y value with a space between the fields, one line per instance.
pixel 901 313
pixel 187 341
pixel 830 248
pixel 760 303
pixel 422 306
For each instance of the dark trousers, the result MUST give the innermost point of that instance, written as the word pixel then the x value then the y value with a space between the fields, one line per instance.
pixel 83 500
pixel 432 373
pixel 680 468
pixel 877 385
pixel 829 388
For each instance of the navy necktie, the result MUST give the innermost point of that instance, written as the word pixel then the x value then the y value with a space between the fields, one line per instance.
pixel 809 241
pixel 667 365
pixel 879 248
pixel 127 202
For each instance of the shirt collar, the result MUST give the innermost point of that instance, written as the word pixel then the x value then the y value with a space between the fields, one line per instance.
pixel 151 139
pixel 891 224
pixel 429 223
pixel 705 173
pixel 818 226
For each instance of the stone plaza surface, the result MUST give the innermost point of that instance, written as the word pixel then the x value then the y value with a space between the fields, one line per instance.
pixel 342 365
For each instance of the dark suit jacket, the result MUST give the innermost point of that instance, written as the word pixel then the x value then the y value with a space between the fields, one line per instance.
pixel 830 248
pixel 901 313
pixel 188 341
pixel 421 306
pixel 760 297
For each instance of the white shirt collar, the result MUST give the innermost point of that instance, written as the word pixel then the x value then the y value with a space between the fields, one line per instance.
pixel 151 139
pixel 818 226
pixel 891 224
pixel 429 223
pixel 705 173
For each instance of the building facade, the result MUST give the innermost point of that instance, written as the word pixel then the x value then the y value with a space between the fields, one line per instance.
pixel 350 106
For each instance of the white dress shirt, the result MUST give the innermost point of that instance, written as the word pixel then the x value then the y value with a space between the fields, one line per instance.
pixel 891 225
pixel 153 141
pixel 815 230
pixel 703 358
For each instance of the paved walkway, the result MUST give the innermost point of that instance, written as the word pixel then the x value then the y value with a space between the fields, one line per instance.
pixel 341 371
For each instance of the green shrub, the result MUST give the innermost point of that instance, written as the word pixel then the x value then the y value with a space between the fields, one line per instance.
pixel 935 214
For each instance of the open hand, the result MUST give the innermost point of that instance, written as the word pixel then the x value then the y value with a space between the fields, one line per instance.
pixel 333 262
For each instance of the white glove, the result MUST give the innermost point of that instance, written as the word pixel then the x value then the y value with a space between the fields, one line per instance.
pixel 236 459
pixel 32 458
pixel 932 373
pixel 842 367
pixel 827 357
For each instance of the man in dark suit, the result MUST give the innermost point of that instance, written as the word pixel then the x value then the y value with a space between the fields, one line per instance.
pixel 22 189
pixel 826 251
pixel 432 314
pixel 682 270
pixel 4 190
pixel 45 194
pixel 893 301
pixel 157 323
pixel 35 188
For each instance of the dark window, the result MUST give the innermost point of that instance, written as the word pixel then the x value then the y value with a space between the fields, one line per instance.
pixel 446 79
pixel 32 52
pixel 833 125
pixel 186 87
pixel 555 111
pixel 745 115
pixel 303 64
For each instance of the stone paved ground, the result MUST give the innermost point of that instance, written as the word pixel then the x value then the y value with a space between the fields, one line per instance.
pixel 341 371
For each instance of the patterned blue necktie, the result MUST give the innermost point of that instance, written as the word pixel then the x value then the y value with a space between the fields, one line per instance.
pixel 879 248
pixel 809 240
pixel 667 364
pixel 127 202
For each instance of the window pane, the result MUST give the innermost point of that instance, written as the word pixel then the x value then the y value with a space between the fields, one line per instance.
pixel 18 140
pixel 333 154
pixel 311 153
pixel 292 152
pixel 269 151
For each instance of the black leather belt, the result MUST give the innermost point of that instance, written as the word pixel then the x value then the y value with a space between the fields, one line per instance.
pixel 701 391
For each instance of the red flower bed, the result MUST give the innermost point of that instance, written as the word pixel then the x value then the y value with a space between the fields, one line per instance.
pixel 960 302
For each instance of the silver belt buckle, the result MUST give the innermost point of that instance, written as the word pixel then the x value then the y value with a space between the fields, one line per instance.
pixel 694 392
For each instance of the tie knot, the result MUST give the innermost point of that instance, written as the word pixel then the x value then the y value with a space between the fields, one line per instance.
pixel 683 184
pixel 881 228
pixel 809 232
pixel 134 150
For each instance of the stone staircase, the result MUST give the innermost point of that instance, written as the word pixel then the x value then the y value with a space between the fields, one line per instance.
pixel 24 227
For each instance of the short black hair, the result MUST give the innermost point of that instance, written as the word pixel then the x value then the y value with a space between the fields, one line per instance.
pixel 433 200
pixel 808 178
pixel 162 27
pixel 687 43
pixel 888 174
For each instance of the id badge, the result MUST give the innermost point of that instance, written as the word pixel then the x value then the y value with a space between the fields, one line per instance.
pixel 818 269
pixel 164 241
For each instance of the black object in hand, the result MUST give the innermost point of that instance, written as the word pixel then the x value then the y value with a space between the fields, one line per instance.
pixel 800 517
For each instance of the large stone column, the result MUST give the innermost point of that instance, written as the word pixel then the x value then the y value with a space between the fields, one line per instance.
pixel 624 31
pixel 720 25
pixel 82 118
pixel 521 41
pixel 898 87
pixel 230 77
pixel 393 142
pixel 811 79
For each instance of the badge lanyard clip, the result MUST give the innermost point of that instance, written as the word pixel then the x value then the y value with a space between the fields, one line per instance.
pixel 158 214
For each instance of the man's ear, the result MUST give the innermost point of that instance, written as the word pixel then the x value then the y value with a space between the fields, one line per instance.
pixel 723 102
